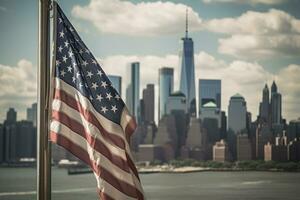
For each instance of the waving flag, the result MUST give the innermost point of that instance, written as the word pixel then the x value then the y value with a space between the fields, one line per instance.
pixel 89 118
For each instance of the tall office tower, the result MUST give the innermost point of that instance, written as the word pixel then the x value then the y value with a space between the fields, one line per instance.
pixel 166 81
pixel 265 105
pixel 148 101
pixel 209 91
pixel 133 89
pixel 237 121
pixel 237 111
pixel 11 117
pixel 32 113
pixel 187 77
pixel 116 83
pixel 275 105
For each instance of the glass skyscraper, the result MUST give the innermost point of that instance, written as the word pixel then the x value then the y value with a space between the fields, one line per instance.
pixel 166 81
pixel 187 76
pixel 209 91
pixel 133 89
pixel 237 111
pixel 116 83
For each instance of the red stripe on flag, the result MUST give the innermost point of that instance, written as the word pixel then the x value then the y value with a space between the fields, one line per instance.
pixel 89 116
pixel 95 143
pixel 122 186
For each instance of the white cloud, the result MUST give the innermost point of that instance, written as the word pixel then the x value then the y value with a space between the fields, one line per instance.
pixel 289 85
pixel 256 35
pixel 17 87
pixel 253 2
pixel 144 18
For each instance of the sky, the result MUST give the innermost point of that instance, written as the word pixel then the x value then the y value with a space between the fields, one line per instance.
pixel 245 43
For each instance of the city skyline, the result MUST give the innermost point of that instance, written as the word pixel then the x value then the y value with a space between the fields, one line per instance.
pixel 160 48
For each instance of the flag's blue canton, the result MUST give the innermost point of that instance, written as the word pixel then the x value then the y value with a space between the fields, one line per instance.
pixel 78 67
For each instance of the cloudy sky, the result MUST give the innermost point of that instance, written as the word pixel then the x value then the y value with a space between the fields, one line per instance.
pixel 245 43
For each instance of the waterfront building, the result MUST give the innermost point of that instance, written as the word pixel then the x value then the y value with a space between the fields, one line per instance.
pixel 244 151
pixel 209 91
pixel 166 136
pixel 278 151
pixel 116 82
pixel 220 151
pixel 150 152
pixel 294 150
pixel 187 69
pixel 195 146
pixel 165 82
pixel 133 89
pixel 263 136
pixel 293 130
pixel 32 114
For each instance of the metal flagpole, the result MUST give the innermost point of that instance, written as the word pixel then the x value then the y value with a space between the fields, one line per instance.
pixel 43 146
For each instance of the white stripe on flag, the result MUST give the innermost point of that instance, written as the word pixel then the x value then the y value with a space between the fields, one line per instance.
pixel 101 160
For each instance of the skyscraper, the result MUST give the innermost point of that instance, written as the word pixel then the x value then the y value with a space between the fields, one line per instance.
pixel 32 113
pixel 133 89
pixel 275 105
pixel 237 112
pixel 166 81
pixel 116 83
pixel 265 104
pixel 209 91
pixel 11 117
pixel 148 101
pixel 187 76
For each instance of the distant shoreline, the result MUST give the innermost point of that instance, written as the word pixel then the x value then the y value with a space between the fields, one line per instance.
pixel 182 170
pixel 153 169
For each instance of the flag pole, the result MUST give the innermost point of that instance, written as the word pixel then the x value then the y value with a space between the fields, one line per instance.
pixel 43 146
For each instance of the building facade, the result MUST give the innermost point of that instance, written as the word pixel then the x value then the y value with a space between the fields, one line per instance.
pixel 275 105
pixel 133 89
pixel 166 81
pixel 237 111
pixel 187 75
pixel 148 103
pixel 220 151
pixel 32 114
pixel 209 91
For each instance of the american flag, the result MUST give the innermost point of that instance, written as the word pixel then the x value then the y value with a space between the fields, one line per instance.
pixel 89 118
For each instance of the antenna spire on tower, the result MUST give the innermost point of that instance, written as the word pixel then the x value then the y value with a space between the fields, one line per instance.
pixel 186 23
